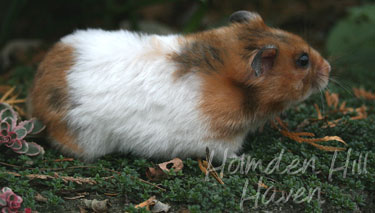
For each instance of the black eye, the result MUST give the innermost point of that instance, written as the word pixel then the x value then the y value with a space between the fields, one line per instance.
pixel 303 60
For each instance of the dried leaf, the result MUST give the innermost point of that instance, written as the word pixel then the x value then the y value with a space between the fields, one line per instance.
pixel 361 114
pixel 320 116
pixel 97 205
pixel 297 136
pixel 332 99
pixel 154 205
pixel 146 204
pixel 78 180
pixel 13 99
pixel 312 141
pixel 361 93
pixel 155 174
pixel 82 210
pixel 159 172
pixel 7 94
pixel 38 176
pixel 262 185
pixel 281 123
pixel 342 106
pixel 80 195
pixel 64 160
pixel 176 164
pixel 40 198
pixel 204 167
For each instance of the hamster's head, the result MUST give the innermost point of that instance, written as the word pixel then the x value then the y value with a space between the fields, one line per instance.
pixel 249 72
pixel 280 68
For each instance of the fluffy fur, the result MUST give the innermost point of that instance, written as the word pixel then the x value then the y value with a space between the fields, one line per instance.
pixel 166 96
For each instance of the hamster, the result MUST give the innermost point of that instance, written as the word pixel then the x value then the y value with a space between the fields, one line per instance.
pixel 160 97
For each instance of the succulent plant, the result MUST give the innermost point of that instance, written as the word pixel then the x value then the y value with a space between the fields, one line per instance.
pixel 13 132
pixel 10 202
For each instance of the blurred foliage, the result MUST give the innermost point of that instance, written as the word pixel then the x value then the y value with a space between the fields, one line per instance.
pixel 351 43
pixel 50 20
pixel 355 35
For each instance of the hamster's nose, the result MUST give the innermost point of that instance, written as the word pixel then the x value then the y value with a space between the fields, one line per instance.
pixel 326 66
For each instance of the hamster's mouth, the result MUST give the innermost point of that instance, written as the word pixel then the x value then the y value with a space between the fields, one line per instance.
pixel 321 82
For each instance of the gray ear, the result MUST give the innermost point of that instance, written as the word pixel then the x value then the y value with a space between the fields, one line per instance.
pixel 264 59
pixel 244 16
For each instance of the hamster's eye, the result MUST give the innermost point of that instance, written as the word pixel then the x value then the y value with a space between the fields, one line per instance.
pixel 303 60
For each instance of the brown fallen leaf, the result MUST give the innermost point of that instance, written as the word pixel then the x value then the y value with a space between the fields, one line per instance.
pixel 155 174
pixel 362 113
pixel 40 198
pixel 82 210
pixel 297 136
pixel 176 164
pixel 260 184
pixel 332 99
pixel 78 180
pixel 146 204
pixel 111 194
pixel 64 160
pixel 80 195
pixel 362 93
pixel 153 205
pixel 320 116
pixel 206 167
pixel 10 98
pixel 159 172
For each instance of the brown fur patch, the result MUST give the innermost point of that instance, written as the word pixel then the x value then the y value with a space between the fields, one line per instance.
pixel 49 95
pixel 233 98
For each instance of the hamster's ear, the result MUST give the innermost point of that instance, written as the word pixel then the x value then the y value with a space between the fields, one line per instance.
pixel 244 16
pixel 264 59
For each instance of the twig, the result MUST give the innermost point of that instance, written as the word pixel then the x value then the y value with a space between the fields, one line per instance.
pixel 110 170
pixel 10 165
pixel 6 95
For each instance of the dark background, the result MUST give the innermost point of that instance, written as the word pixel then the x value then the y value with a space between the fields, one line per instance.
pixel 49 20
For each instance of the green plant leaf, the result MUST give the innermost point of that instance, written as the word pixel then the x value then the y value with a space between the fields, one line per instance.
pixel 24 149
pixel 38 126
pixel 21 132
pixel 6 189
pixel 5 127
pixel 28 125
pixel 3 201
pixel 17 145
pixel 3 106
pixel 8 113
pixel 34 149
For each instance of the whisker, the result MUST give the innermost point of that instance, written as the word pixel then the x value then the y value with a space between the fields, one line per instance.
pixel 342 86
